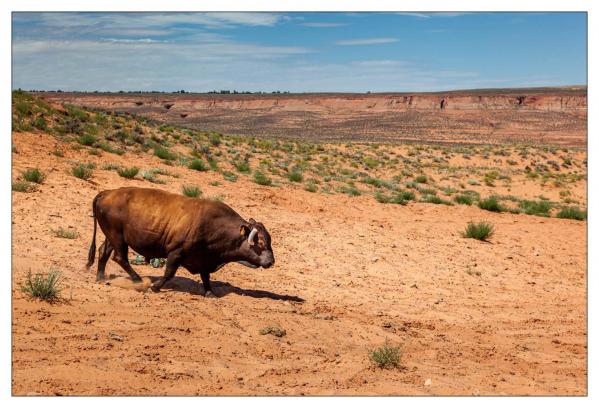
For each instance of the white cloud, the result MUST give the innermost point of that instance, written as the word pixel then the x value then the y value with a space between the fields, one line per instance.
pixel 368 41
pixel 419 15
pixel 133 40
pixel 431 14
pixel 323 24
pixel 114 24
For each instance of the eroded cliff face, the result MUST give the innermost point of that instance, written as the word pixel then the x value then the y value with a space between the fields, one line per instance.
pixel 557 117
pixel 361 103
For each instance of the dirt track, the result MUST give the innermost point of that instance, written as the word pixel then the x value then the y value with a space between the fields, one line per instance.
pixel 350 274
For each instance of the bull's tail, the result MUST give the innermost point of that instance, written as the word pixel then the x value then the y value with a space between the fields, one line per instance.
pixel 92 248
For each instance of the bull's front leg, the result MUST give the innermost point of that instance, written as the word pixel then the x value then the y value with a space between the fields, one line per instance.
pixel 172 263
pixel 207 287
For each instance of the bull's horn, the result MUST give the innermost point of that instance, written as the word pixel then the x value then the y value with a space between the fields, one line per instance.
pixel 252 235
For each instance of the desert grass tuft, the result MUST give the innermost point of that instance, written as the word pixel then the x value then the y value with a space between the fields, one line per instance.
pixel 260 178
pixel 481 231
pixel 128 172
pixel 463 199
pixel 198 164
pixel 22 187
pixel 63 233
pixel 573 213
pixel 42 287
pixel 192 191
pixel 535 207
pixel 490 204
pixel 82 171
pixel 34 175
pixel 386 356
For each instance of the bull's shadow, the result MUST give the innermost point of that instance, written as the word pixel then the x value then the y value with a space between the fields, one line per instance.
pixel 221 289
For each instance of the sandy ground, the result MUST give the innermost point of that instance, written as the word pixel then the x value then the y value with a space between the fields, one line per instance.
pixel 350 275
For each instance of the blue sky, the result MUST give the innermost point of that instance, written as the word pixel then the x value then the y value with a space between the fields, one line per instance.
pixel 297 52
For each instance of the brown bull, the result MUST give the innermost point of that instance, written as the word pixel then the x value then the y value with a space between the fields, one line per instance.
pixel 200 235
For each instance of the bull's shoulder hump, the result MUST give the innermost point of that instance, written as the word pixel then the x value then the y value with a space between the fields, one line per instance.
pixel 212 208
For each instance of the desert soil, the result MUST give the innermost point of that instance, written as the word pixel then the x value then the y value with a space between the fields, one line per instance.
pixel 475 318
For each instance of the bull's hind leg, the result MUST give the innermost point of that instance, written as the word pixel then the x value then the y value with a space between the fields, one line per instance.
pixel 120 256
pixel 172 263
pixel 104 253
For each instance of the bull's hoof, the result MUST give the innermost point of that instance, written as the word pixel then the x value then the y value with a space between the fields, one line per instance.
pixel 210 295
pixel 155 289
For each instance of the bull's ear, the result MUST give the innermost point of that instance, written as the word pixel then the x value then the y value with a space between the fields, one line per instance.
pixel 244 230
pixel 252 221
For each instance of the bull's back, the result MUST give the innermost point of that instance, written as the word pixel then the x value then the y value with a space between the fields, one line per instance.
pixel 155 222
pixel 150 221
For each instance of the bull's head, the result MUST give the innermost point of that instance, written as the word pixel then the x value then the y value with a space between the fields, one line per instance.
pixel 256 245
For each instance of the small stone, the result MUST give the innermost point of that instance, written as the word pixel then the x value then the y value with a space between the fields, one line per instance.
pixel 115 336
pixel 375 259
pixel 428 382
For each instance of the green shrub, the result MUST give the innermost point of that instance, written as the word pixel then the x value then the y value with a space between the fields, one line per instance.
pixel 382 198
pixel 261 179
pixel 386 356
pixel 481 231
pixel 421 179
pixel 111 166
pixel 406 195
pixel 150 175
pixel 227 175
pixel 311 186
pixel 349 190
pixel 375 182
pixel 295 176
pixel 490 204
pixel 192 191
pixel 40 123
pixel 34 175
pixel 128 172
pixel 573 213
pixel 62 233
pixel 164 153
pixel 463 199
pixel 82 171
pixel 214 139
pixel 87 139
pixel 242 166
pixel 198 164
pixel 535 207
pixel 213 163
pixel 434 199
pixel 43 287
pixel 22 186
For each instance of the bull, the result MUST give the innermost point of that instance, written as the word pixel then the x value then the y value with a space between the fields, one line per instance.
pixel 200 235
